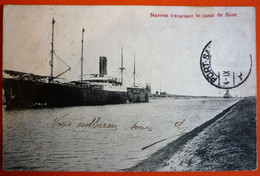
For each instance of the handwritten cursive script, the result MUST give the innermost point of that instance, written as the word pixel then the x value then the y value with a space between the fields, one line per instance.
pixel 139 127
pixel 96 124
pixel 58 122
pixel 179 126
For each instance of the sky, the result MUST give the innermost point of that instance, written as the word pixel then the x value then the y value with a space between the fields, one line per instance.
pixel 167 50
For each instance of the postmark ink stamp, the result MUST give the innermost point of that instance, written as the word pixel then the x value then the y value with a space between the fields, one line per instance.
pixel 223 79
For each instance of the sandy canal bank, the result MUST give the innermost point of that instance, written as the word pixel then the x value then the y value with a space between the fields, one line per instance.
pixel 226 142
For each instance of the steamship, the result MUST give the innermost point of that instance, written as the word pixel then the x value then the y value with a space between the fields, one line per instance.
pixel 29 90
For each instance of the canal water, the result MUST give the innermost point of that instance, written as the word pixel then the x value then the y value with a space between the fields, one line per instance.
pixel 99 138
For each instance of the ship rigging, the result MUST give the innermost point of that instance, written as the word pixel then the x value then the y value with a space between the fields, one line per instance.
pixel 52 57
pixel 23 89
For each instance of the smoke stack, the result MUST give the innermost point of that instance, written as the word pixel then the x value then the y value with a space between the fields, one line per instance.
pixel 102 66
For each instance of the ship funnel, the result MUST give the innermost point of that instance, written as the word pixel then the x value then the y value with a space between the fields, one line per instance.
pixel 102 66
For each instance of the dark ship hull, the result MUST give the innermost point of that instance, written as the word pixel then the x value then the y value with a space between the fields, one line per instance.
pixel 27 93
pixel 136 94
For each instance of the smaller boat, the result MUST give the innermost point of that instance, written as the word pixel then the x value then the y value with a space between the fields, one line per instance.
pixel 227 95
pixel 138 93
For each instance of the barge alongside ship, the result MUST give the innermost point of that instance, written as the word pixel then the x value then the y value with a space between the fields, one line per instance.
pixel 29 90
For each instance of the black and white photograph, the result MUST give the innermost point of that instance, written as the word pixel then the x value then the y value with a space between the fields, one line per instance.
pixel 128 88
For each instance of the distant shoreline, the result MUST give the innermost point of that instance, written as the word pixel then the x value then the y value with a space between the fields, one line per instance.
pixel 195 97
pixel 230 119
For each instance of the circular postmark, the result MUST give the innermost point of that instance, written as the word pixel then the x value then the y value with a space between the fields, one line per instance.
pixel 223 79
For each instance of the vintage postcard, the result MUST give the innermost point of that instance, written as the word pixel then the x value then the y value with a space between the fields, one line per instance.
pixel 128 88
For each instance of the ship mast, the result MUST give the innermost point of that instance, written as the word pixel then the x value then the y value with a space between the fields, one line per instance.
pixel 134 70
pixel 52 56
pixel 122 66
pixel 81 73
pixel 52 49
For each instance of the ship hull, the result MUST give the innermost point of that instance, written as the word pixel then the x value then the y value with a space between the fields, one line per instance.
pixel 24 93
pixel 138 94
